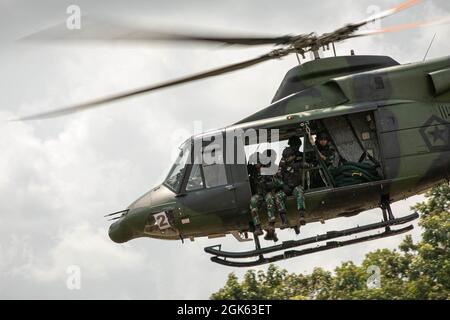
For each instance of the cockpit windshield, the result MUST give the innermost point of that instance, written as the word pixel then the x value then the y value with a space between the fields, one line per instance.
pixel 176 173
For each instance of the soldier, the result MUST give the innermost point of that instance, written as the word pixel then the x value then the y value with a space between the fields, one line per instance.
pixel 326 150
pixel 290 173
pixel 265 187
pixel 295 143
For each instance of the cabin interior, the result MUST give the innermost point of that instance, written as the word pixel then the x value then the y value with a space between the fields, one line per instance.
pixel 354 139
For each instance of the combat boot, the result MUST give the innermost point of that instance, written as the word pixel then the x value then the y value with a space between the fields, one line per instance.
pixel 270 232
pixel 302 216
pixel 274 236
pixel 269 235
pixel 258 231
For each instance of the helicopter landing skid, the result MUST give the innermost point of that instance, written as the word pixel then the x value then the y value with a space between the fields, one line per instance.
pixel 221 257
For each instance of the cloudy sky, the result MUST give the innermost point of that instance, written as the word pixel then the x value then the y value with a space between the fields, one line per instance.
pixel 59 177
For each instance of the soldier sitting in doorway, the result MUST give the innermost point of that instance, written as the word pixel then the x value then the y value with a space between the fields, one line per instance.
pixel 265 187
pixel 290 172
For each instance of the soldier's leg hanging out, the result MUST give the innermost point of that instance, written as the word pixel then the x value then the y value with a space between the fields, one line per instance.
pixel 299 195
pixel 280 202
pixel 270 204
pixel 255 204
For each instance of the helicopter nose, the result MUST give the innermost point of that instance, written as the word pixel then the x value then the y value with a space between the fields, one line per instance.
pixel 118 233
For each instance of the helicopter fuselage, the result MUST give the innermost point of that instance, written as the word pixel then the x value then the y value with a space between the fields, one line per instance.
pixel 399 114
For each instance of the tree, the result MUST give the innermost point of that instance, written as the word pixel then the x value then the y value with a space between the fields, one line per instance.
pixel 413 271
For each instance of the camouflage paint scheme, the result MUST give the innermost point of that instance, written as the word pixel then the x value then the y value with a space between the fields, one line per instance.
pixel 411 105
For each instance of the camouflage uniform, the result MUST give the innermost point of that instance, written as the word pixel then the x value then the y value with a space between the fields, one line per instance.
pixel 290 173
pixel 265 190
pixel 327 151
pixel 295 143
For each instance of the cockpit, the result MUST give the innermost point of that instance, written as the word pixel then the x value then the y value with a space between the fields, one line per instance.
pixel 175 176
pixel 195 163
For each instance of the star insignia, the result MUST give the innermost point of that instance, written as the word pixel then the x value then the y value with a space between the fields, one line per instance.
pixel 436 134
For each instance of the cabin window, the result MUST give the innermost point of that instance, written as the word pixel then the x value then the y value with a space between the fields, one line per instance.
pixel 353 136
pixel 215 175
pixel 195 180
pixel 214 171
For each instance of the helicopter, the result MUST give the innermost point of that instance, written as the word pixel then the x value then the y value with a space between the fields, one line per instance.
pixel 376 111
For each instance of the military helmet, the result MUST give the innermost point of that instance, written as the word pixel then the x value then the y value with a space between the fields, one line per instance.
pixel 323 136
pixel 288 152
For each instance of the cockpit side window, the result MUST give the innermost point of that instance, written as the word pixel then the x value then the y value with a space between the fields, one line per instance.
pixel 215 175
pixel 214 170
pixel 175 176
pixel 195 181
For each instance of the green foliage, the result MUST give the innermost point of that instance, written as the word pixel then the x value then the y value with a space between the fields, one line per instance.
pixel 413 271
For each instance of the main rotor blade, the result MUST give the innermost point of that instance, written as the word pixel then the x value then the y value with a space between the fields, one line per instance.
pixel 402 27
pixel 400 7
pixel 115 97
pixel 300 43
pixel 102 30
pixel 352 30
pixel 230 40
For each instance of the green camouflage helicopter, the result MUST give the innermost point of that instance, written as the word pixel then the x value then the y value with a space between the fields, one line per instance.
pixel 376 112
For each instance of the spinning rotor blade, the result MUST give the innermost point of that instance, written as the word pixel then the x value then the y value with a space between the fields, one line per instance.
pixel 228 40
pixel 348 31
pixel 106 31
pixel 402 27
pixel 299 41
pixel 290 44
pixel 212 73
pixel 400 7
pixel 101 30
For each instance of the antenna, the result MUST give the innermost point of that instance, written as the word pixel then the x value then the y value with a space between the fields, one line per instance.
pixel 429 47
pixel 298 59
pixel 316 54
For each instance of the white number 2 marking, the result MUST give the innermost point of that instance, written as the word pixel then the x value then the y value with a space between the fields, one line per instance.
pixel 162 221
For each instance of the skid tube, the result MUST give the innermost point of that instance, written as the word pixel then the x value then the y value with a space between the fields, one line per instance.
pixel 221 257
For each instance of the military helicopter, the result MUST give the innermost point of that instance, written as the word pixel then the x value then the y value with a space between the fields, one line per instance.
pixel 375 110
